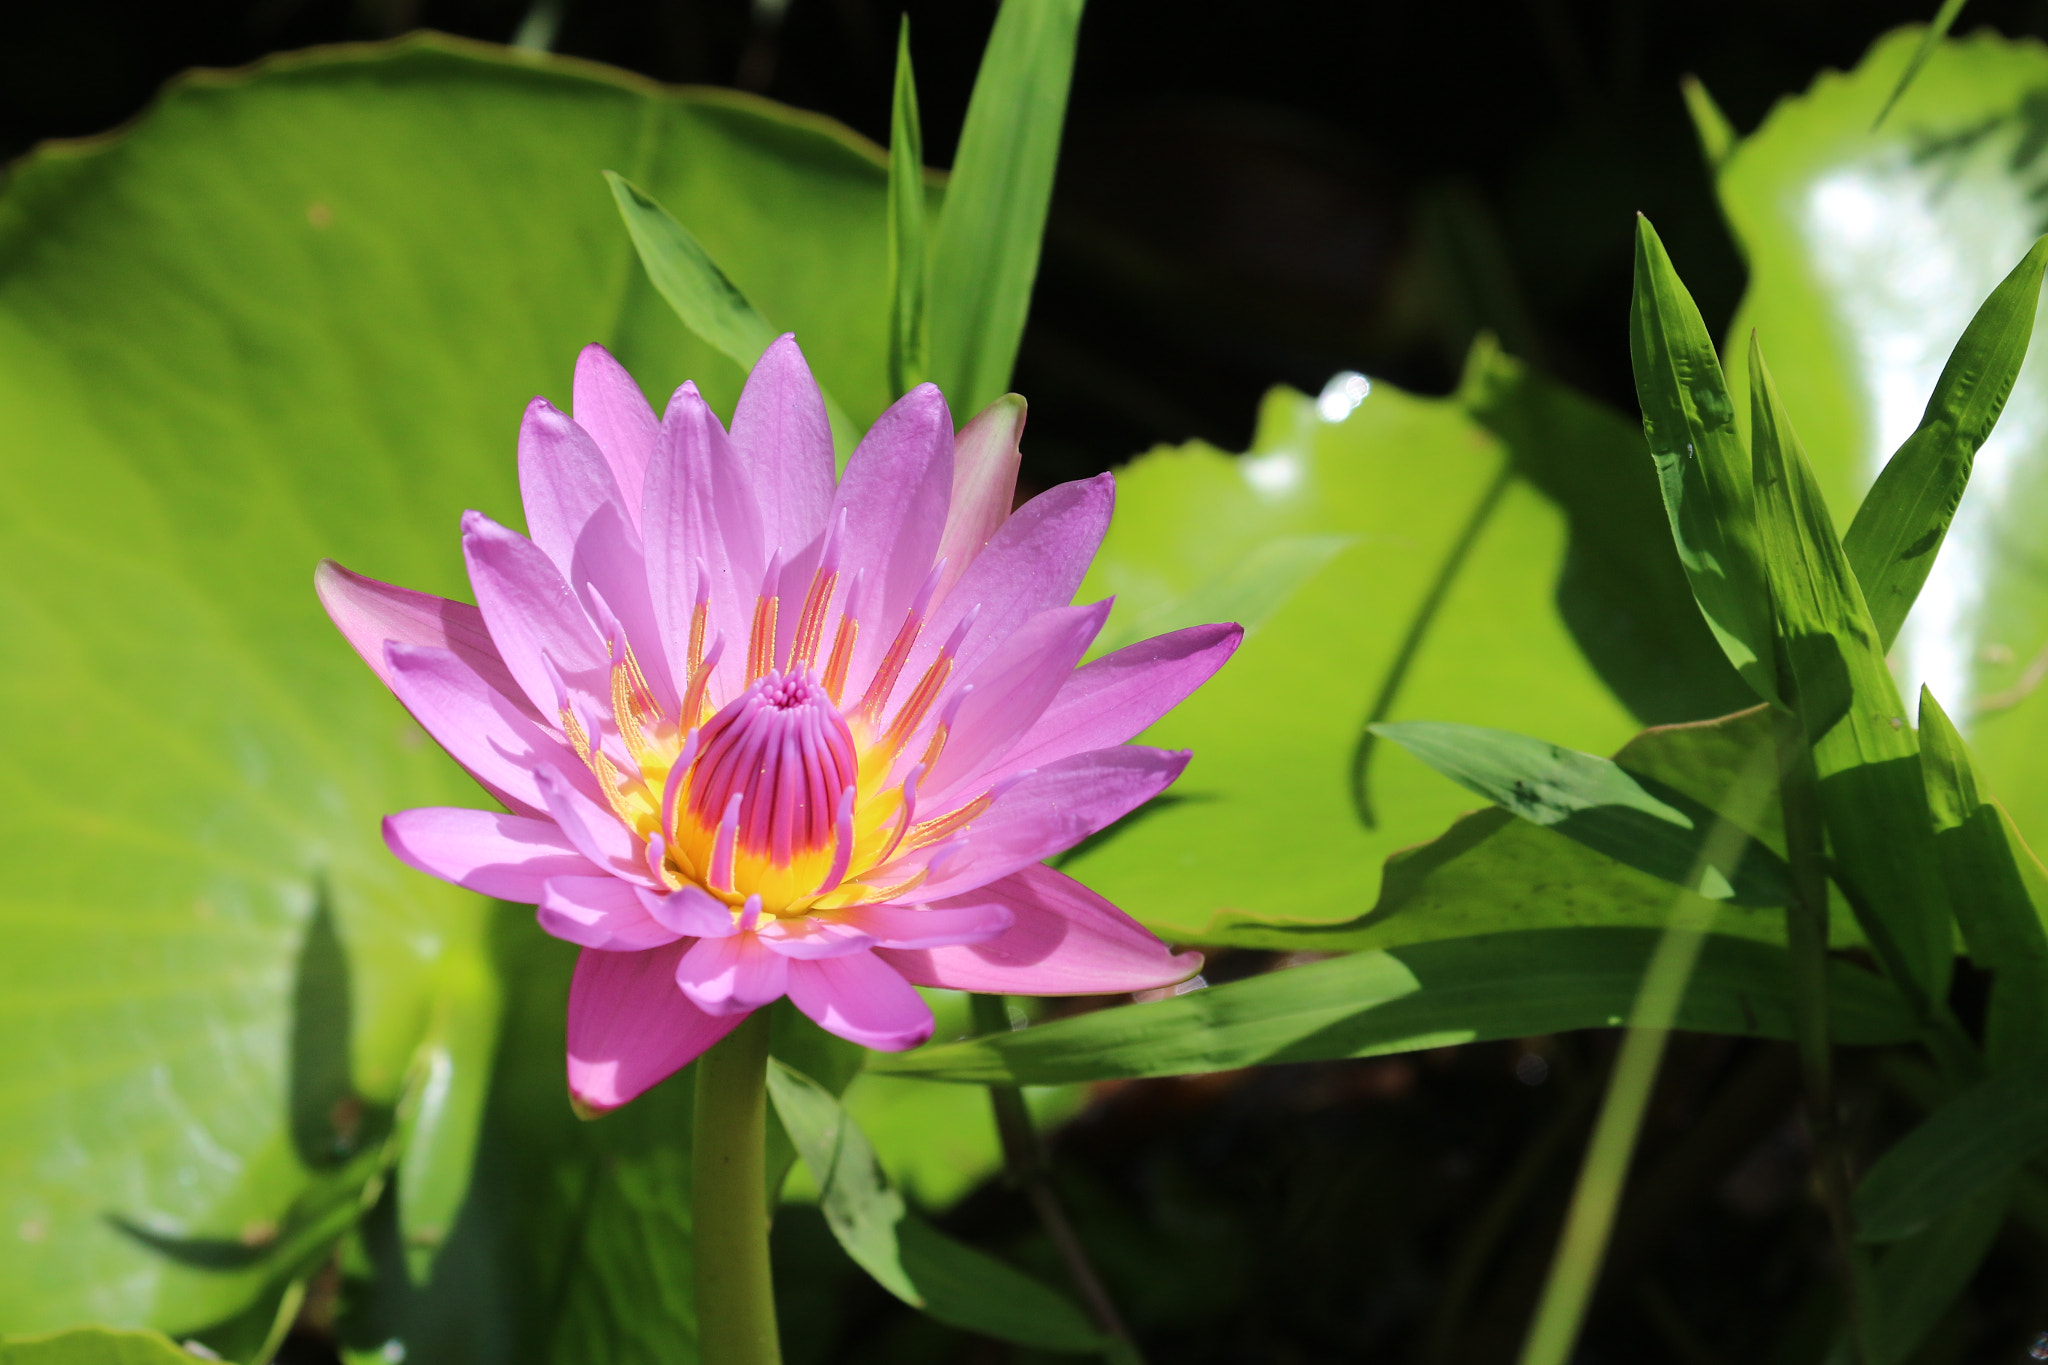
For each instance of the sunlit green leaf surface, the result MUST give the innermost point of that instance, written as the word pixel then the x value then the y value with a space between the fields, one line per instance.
pixel 94 1346
pixel 296 313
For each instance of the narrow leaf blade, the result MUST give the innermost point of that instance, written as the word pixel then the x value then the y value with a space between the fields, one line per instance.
pixel 1958 1152
pixel 1944 20
pixel 985 253
pixel 907 322
pixel 1899 528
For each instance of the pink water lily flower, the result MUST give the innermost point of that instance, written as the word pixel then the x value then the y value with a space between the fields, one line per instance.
pixel 761 732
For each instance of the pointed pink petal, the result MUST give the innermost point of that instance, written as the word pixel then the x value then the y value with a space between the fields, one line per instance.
pixel 690 911
pixel 480 728
pixel 630 1028
pixel 862 999
pixel 532 615
pixel 1035 562
pixel 596 832
pixel 696 510
pixel 609 405
pixel 932 926
pixel 368 613
pixel 1111 700
pixel 985 458
pixel 894 495
pixel 781 436
pixel 813 937
pixel 563 481
pixel 507 856
pixel 1066 940
pixel 735 975
pixel 1012 688
pixel 1046 813
pixel 599 912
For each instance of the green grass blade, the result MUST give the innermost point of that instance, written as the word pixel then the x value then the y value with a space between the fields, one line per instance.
pixel 907 323
pixel 1594 801
pixel 1944 20
pixel 1716 134
pixel 709 303
pixel 1702 467
pixel 1899 528
pixel 1998 889
pixel 1503 985
pixel 1905 1295
pixel 985 251
pixel 1959 1151
pixel 1864 754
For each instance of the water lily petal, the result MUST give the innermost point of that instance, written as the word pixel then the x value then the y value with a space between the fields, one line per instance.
pixel 609 405
pixel 690 911
pixel 563 480
pixel 985 458
pixel 1065 940
pixel 862 999
pixel 630 1028
pixel 965 920
pixel 781 436
pixel 494 740
pixel 601 913
pixel 488 852
pixel 894 496
pixel 811 937
pixel 733 975
pixel 368 613
pixel 598 835
pixel 534 617
pixel 1011 689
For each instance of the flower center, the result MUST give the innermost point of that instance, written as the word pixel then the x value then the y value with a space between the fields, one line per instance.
pixel 779 757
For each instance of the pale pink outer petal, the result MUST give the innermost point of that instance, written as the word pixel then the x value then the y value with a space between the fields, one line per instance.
pixel 862 999
pixel 985 458
pixel 697 510
pixel 1047 812
pixel 532 615
pixel 1012 688
pixel 814 937
pixel 368 613
pixel 1110 700
pixel 690 911
pixel 608 404
pixel 1035 562
pixel 563 481
pixel 781 435
pixel 490 853
pixel 494 740
pixel 596 832
pixel 735 975
pixel 894 496
pixel 601 913
pixel 932 926
pixel 630 1028
pixel 1066 940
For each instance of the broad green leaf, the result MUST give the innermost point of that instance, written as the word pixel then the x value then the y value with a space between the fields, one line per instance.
pixel 908 325
pixel 1869 253
pixel 1900 525
pixel 1831 669
pixel 1702 465
pixel 985 248
pixel 1246 591
pixel 1652 828
pixel 93 1346
pixel 1958 1152
pixel 1263 826
pixel 296 312
pixel 906 1255
pixel 1914 1282
pixel 708 303
pixel 1995 883
pixel 1424 995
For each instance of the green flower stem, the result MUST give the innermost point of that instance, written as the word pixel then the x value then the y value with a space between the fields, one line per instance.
pixel 735 1294
pixel 1024 1162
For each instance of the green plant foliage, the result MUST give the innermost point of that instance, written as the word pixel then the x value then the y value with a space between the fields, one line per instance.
pixel 291 313
pixel 1598 803
pixel 906 1255
pixel 1912 1284
pixel 984 252
pixel 94 1346
pixel 1424 995
pixel 1439 602
pixel 1961 1150
pixel 908 325
pixel 1869 253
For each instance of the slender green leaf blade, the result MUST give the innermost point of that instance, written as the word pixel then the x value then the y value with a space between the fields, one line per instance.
pixel 967 1288
pixel 985 251
pixel 93 1346
pixel 1944 20
pixel 1959 1151
pixel 1911 1287
pixel 1864 753
pixel 908 326
pixel 1702 467
pixel 1716 134
pixel 1424 995
pixel 1998 889
pixel 1900 525
pixel 1642 823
